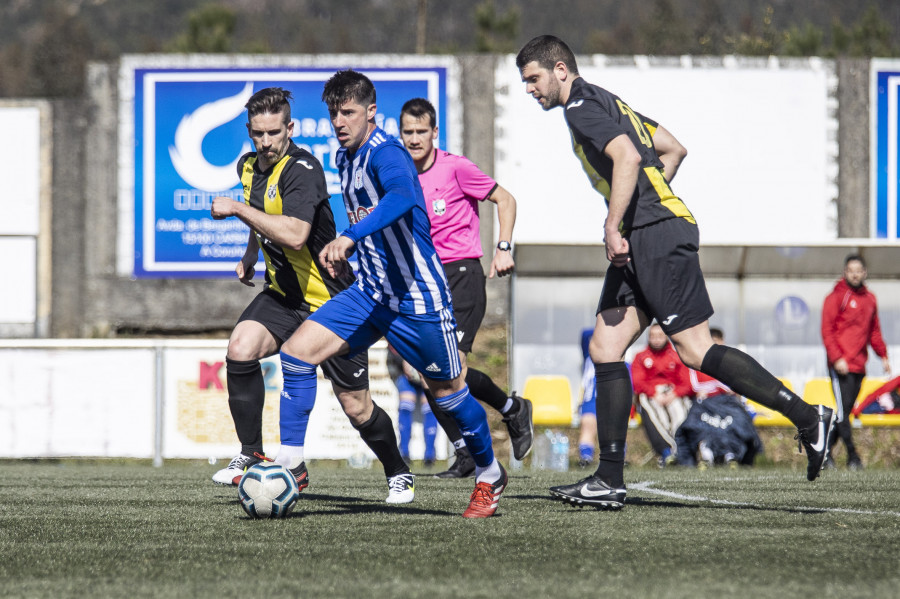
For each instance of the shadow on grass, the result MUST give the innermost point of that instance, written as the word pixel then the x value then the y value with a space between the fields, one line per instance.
pixel 668 503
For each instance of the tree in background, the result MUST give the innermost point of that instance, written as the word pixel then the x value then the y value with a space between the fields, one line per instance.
pixel 496 32
pixel 210 30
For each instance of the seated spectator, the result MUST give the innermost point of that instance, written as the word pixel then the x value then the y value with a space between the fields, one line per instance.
pixel 662 385
pixel 718 429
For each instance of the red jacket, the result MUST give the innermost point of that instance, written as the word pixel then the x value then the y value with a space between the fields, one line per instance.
pixel 850 324
pixel 874 395
pixel 651 368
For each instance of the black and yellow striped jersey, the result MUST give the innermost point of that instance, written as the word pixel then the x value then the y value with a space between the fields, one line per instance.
pixel 294 186
pixel 595 117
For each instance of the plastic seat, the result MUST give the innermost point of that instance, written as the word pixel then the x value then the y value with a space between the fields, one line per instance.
pixel 818 391
pixel 766 417
pixel 551 396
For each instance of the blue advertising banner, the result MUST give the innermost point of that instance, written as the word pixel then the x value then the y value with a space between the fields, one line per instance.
pixel 190 130
pixel 885 158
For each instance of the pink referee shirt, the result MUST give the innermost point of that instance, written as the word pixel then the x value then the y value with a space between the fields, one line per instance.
pixel 453 186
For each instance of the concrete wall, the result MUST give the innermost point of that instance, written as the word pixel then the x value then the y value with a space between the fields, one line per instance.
pixel 90 300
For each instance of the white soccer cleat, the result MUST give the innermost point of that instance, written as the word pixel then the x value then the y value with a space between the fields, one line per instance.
pixel 231 474
pixel 401 488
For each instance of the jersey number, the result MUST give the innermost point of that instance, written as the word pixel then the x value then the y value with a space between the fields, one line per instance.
pixel 642 133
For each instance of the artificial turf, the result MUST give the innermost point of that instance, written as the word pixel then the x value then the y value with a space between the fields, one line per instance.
pixel 123 529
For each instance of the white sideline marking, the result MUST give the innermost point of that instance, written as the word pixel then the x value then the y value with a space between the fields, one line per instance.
pixel 647 488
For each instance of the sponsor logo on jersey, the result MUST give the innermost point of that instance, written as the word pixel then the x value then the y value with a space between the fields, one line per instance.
pixel 439 207
pixel 361 213
pixel 575 104
pixel 305 163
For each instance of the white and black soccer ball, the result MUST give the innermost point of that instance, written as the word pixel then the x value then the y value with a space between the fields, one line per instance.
pixel 268 490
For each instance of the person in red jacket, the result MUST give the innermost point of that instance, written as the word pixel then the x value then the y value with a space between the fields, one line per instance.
pixel 849 326
pixel 663 386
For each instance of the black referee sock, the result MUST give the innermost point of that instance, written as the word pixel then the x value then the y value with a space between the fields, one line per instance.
pixel 446 421
pixel 614 399
pixel 747 377
pixel 483 388
pixel 378 433
pixel 246 398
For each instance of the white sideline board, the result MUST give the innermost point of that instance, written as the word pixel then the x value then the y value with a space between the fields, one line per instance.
pixel 761 140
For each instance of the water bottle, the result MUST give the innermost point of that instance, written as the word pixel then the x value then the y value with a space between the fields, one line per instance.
pixel 541 452
pixel 360 460
pixel 560 460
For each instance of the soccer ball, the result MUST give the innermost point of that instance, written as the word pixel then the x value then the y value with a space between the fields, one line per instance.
pixel 268 490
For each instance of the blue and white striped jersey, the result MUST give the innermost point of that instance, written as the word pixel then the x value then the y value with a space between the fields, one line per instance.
pixel 398 265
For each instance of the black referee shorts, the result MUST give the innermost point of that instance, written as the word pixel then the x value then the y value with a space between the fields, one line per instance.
pixel 466 279
pixel 281 319
pixel 663 278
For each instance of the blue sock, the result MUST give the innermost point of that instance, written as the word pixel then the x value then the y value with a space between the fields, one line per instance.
pixel 472 422
pixel 430 424
pixel 404 425
pixel 298 396
pixel 586 452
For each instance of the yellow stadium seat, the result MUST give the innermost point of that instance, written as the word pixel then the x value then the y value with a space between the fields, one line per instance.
pixel 765 416
pixel 551 397
pixel 818 391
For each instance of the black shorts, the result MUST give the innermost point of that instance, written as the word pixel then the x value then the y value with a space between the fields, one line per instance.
pixel 663 278
pixel 466 279
pixel 281 319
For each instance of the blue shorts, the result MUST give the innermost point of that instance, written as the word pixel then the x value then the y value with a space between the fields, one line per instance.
pixel 588 388
pixel 426 341
pixel 404 386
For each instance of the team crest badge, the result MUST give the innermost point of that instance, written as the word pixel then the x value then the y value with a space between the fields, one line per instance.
pixel 439 207
pixel 357 179
pixel 272 191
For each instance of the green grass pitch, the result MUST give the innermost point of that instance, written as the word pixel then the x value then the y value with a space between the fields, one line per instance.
pixel 118 529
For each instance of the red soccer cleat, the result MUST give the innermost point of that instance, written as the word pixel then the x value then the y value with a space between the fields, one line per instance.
pixel 486 497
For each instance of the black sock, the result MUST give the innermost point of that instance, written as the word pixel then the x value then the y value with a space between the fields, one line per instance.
pixel 746 377
pixel 614 399
pixel 378 433
pixel 246 397
pixel 483 388
pixel 444 419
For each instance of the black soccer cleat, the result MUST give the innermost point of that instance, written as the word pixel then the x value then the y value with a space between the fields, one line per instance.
pixel 815 440
pixel 463 467
pixel 301 475
pixel 521 428
pixel 591 491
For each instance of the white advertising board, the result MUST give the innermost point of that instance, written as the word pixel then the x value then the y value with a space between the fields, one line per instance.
pixel 197 422
pixel 76 402
pixel 159 399
pixel 18 299
pixel 761 140
pixel 20 167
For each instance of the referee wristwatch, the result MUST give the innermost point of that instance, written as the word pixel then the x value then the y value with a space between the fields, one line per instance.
pixel 504 246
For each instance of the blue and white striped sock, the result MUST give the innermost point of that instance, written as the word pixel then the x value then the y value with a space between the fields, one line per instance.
pixel 472 422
